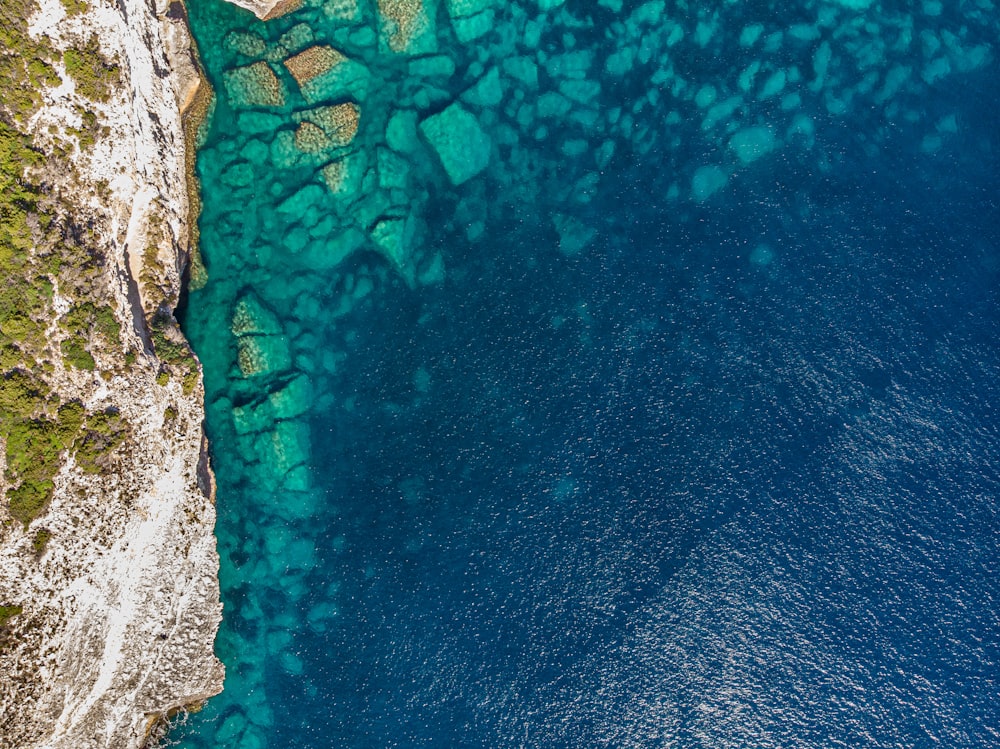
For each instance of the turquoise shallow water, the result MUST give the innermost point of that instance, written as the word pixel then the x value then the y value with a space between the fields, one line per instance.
pixel 602 373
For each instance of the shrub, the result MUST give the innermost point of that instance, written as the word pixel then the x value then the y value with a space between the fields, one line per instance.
pixel 24 61
pixel 29 499
pixel 10 356
pixel 9 612
pixel 89 129
pixel 22 394
pixel 107 325
pixel 34 454
pixel 40 541
pixel 24 330
pixel 74 7
pixel 75 353
pixel 102 434
pixel 42 74
pixel 85 322
pixel 70 418
pixel 17 197
pixel 168 345
pixel 94 74
pixel 33 448
pixel 190 381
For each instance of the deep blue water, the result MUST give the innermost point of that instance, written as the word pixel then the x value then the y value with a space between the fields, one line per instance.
pixel 727 477
pixel 718 505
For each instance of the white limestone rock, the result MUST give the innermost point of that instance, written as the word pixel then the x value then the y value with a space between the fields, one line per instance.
pixel 121 609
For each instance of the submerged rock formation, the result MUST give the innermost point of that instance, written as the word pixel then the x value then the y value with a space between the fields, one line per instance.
pixel 109 597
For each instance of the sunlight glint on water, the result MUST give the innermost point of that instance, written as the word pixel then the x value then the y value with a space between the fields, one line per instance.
pixel 602 374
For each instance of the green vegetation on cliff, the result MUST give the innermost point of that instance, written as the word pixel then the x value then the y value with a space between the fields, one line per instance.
pixel 43 248
pixel 25 64
pixel 18 199
pixel 94 74
pixel 7 613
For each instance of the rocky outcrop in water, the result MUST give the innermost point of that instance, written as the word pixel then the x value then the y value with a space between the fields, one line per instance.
pixel 268 9
pixel 109 597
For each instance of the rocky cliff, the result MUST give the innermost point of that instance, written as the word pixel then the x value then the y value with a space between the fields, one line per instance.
pixel 109 597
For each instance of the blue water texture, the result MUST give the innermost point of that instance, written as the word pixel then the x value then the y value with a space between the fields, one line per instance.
pixel 726 475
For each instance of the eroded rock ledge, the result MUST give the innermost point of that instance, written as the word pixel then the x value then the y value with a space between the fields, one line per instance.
pixel 111 591
pixel 268 9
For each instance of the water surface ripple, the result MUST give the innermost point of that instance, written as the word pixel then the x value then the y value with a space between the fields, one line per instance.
pixel 595 374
